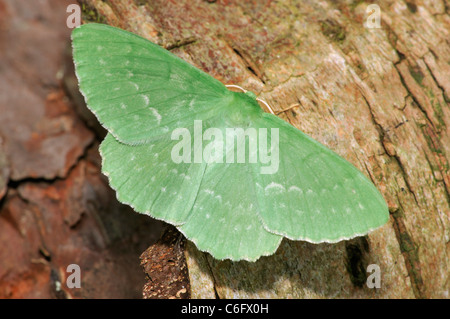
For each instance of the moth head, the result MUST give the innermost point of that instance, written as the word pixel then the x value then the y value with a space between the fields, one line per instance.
pixel 245 109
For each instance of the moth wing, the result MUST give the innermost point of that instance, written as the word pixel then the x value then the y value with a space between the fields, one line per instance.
pixel 137 89
pixel 315 195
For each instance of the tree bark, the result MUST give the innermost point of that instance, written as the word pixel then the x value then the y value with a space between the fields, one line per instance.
pixel 377 96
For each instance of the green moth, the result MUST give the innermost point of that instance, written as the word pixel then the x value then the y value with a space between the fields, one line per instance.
pixel 248 180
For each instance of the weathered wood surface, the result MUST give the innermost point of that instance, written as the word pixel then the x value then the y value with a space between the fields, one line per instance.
pixel 378 97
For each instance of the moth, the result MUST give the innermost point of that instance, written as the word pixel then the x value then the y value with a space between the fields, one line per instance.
pixel 183 148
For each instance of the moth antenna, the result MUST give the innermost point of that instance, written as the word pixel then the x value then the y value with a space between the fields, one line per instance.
pixel 266 104
pixel 236 87
pixel 258 99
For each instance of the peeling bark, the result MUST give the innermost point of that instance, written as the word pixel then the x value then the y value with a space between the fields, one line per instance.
pixel 378 97
pixel 56 208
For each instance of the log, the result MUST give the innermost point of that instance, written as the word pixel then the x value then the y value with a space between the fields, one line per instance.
pixel 379 97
